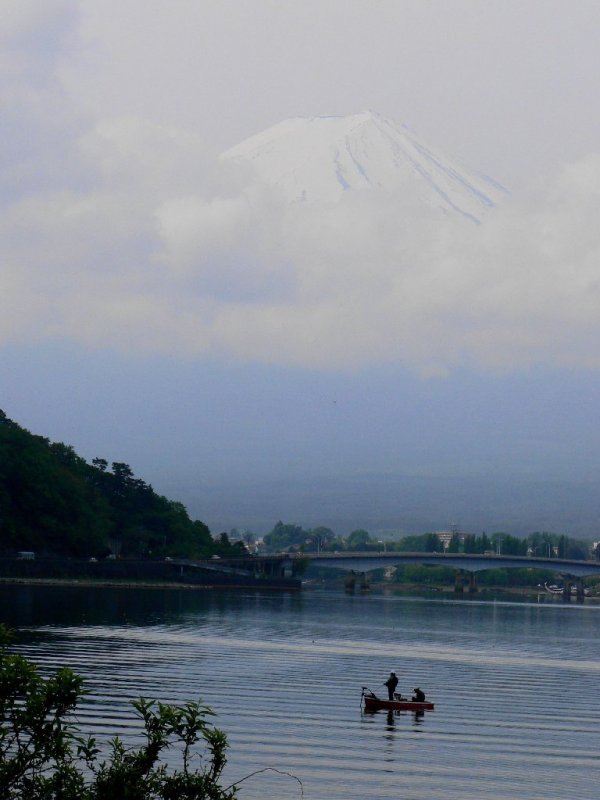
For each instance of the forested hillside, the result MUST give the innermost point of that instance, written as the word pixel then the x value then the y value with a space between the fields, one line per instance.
pixel 55 503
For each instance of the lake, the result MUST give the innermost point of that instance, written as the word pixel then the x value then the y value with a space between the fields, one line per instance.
pixel 515 684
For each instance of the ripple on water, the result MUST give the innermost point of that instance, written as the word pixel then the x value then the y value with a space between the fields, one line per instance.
pixel 515 688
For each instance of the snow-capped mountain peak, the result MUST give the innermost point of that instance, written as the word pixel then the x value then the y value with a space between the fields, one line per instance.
pixel 318 159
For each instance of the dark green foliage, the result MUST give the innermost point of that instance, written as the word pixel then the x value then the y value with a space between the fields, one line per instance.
pixel 226 547
pixel 46 500
pixel 507 545
pixel 358 540
pixel 284 536
pixel 425 543
pixel 42 756
pixel 139 774
pixel 554 545
pixel 477 544
pixel 35 737
pixel 53 502
pixel 519 576
pixel 420 573
pixel 294 537
pixel 547 545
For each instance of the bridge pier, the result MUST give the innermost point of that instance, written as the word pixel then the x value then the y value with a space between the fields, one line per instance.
pixel 466 566
pixel 473 583
pixel 357 578
pixel 566 595
pixel 268 569
pixel 459 586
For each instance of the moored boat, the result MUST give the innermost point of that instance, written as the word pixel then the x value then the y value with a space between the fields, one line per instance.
pixel 374 703
pixel 554 589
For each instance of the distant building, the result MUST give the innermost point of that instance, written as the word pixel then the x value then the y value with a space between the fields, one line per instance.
pixel 445 537
pixel 550 552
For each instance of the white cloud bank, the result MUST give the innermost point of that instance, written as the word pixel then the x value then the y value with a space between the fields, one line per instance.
pixel 127 234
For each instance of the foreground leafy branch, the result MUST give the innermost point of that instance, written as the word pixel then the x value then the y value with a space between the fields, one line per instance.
pixel 43 757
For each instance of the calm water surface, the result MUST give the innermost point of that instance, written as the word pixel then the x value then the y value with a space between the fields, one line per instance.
pixel 516 685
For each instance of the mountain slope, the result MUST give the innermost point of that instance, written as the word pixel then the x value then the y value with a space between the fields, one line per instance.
pixel 53 502
pixel 319 159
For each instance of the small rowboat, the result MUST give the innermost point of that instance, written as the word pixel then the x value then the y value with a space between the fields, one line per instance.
pixel 374 703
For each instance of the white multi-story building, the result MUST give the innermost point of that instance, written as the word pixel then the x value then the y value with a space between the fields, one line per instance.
pixel 445 537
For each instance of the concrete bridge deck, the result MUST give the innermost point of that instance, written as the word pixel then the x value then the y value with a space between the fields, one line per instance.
pixel 366 561
pixel 470 562
pixel 283 566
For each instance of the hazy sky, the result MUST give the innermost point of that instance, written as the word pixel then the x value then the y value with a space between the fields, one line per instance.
pixel 509 85
pixel 124 241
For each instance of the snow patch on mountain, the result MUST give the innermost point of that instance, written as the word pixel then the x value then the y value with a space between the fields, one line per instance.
pixel 319 159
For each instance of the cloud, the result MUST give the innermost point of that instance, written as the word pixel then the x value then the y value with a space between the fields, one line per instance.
pixel 39 130
pixel 125 233
pixel 26 21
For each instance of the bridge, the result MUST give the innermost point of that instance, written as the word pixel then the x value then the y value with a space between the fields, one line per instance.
pixel 469 562
pixel 465 564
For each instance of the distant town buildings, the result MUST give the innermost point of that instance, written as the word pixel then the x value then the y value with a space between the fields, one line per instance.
pixel 446 537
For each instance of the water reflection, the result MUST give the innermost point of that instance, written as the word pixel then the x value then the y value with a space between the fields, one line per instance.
pixel 284 674
pixel 418 717
pixel 28 605
pixel 392 717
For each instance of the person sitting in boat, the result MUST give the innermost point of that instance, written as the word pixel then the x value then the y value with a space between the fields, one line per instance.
pixel 391 684
pixel 418 696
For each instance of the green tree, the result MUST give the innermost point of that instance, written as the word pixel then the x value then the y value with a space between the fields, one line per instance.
pixel 424 543
pixel 476 544
pixel 248 538
pixel 420 573
pixel 53 502
pixel 43 757
pixel 285 535
pixel 508 545
pixel 542 544
pixel 225 547
pixel 358 539
pixel 322 538
pixel 578 549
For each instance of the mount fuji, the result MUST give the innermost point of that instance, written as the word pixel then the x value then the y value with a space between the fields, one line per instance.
pixel 320 159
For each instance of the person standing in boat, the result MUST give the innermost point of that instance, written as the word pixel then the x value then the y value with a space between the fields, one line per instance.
pixel 391 684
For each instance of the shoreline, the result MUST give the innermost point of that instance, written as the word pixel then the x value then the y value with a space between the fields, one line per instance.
pixel 379 588
pixel 103 583
pixel 447 590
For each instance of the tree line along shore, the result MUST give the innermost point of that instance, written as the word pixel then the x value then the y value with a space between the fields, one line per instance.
pixel 57 505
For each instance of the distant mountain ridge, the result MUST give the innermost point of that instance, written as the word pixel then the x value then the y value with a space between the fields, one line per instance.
pixel 319 159
pixel 401 503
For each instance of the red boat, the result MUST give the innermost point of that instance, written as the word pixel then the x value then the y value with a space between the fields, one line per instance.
pixel 374 703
